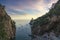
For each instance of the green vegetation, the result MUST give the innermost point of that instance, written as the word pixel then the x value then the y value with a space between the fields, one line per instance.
pixel 2 31
pixel 46 20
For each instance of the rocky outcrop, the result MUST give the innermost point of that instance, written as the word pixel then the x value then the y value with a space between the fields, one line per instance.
pixel 48 23
pixel 7 25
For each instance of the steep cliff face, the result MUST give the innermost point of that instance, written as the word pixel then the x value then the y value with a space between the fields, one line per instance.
pixel 7 25
pixel 48 23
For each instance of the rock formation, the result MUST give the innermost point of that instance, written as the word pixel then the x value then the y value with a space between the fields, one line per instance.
pixel 48 24
pixel 7 25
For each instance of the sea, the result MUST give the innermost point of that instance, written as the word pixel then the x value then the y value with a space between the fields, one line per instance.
pixel 23 30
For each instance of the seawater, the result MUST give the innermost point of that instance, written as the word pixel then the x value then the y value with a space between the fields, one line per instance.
pixel 23 30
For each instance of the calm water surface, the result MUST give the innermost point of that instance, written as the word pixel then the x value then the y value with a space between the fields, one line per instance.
pixel 23 30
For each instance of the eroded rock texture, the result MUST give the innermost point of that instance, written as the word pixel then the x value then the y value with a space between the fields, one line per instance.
pixel 7 25
pixel 48 24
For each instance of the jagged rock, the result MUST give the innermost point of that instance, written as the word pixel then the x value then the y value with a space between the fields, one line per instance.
pixel 7 25
pixel 48 22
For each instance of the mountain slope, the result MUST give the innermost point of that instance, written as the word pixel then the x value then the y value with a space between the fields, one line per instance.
pixel 7 25
pixel 50 22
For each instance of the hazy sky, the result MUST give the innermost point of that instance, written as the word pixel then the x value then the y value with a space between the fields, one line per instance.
pixel 27 9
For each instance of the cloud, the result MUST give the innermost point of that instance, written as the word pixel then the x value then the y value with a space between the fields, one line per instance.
pixel 25 16
pixel 22 9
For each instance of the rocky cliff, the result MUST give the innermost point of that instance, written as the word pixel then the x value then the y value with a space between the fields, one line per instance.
pixel 7 25
pixel 48 25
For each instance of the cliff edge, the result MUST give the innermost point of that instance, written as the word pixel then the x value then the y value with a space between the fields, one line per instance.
pixel 7 25
pixel 48 23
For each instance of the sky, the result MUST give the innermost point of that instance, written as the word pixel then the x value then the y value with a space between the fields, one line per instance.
pixel 27 9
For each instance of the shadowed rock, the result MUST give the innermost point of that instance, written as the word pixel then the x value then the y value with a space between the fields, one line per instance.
pixel 7 25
